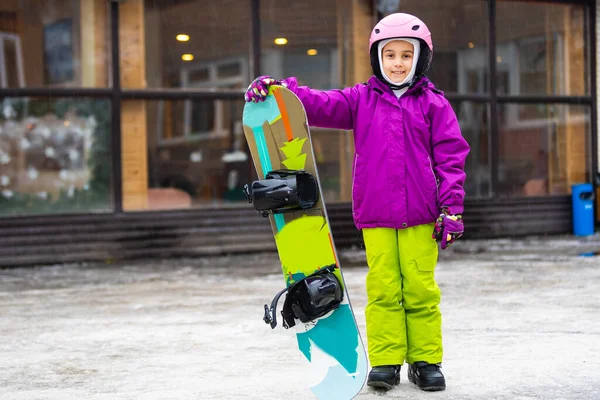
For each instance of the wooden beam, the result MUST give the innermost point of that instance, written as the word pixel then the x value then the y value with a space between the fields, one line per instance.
pixel 134 130
pixel 94 45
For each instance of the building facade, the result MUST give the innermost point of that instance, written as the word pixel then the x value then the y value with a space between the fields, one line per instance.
pixel 134 106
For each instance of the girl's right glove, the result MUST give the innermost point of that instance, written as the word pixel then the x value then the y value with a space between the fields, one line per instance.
pixel 447 229
pixel 259 88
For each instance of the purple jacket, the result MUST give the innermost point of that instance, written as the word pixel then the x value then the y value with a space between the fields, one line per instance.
pixel 409 152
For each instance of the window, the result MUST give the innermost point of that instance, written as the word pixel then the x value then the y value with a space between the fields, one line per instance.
pixel 298 42
pixel 54 44
pixel 546 157
pixel 205 118
pixel 473 119
pixel 541 48
pixel 188 42
pixel 54 156
pixel 459 31
pixel 187 171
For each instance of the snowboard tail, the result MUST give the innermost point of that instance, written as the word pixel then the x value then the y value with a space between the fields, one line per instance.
pixel 279 139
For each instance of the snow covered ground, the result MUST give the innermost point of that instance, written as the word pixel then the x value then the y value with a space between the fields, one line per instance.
pixel 521 321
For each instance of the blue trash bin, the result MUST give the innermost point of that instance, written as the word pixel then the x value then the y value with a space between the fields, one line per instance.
pixel 582 196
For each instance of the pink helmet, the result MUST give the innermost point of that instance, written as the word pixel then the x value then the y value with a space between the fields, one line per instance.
pixel 400 25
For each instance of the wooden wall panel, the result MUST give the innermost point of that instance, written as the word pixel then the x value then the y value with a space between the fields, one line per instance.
pixel 133 113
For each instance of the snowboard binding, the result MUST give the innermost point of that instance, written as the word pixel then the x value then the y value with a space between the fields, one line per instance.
pixel 307 299
pixel 282 191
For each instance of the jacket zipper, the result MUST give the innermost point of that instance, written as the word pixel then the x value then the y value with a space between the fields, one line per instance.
pixel 353 180
pixel 437 183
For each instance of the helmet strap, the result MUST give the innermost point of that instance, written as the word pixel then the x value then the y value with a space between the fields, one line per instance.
pixel 398 87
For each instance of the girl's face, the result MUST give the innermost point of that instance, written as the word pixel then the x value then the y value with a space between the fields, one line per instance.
pixel 397 59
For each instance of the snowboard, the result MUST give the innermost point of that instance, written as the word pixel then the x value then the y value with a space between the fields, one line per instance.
pixel 279 138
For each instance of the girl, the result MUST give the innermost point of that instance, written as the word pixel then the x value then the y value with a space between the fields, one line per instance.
pixel 407 183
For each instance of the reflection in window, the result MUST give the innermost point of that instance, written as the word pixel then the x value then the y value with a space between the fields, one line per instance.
pixel 541 48
pixel 311 51
pixel 543 149
pixel 460 60
pixel 202 116
pixel 474 125
pixel 335 166
pixel 54 156
pixel 54 43
pixel 218 43
pixel 207 166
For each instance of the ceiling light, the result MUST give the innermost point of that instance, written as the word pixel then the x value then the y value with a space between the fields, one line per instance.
pixel 187 57
pixel 182 37
pixel 471 45
pixel 312 52
pixel 280 41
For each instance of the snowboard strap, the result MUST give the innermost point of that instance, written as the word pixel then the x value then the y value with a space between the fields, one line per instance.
pixel 270 313
pixel 307 299
pixel 283 190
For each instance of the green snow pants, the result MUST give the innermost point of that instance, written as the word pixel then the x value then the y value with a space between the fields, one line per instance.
pixel 402 313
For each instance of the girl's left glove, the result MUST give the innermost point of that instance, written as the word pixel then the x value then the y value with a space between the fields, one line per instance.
pixel 259 88
pixel 447 229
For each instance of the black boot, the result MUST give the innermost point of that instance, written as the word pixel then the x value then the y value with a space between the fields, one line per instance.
pixel 384 376
pixel 427 376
